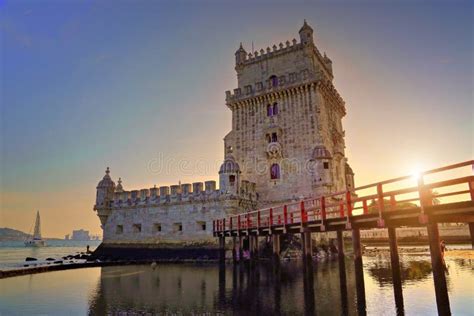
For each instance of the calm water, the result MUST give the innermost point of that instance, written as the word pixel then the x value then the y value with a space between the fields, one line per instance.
pixel 197 289
pixel 13 253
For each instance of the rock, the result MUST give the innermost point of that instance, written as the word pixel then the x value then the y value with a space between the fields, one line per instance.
pixel 30 259
pixel 50 259
pixel 154 265
pixel 26 265
pixel 58 261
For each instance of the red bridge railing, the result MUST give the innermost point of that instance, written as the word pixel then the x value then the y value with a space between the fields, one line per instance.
pixel 429 187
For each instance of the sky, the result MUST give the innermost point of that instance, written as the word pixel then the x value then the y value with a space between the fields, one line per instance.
pixel 129 84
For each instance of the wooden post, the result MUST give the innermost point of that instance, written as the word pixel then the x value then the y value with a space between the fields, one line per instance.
pixel 437 264
pixel 340 244
pixel 306 244
pixel 234 249
pixel 342 272
pixel 256 246
pixel 395 263
pixel 471 231
pixel 359 273
pixel 253 239
pixel 221 248
pixel 241 248
pixel 276 247
pixel 308 288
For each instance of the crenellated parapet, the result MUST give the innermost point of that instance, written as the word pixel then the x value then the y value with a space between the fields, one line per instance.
pixel 197 192
pixel 288 81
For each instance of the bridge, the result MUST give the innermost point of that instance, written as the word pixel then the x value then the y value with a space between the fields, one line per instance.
pixel 440 195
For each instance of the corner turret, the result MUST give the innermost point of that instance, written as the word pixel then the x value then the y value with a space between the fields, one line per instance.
pixel 240 55
pixel 306 34
pixel 229 176
pixel 104 197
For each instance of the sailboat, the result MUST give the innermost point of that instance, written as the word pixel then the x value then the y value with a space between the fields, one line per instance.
pixel 36 240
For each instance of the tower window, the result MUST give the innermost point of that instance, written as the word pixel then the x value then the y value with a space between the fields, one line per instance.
pixel 274 137
pixel 326 165
pixel 119 229
pixel 275 171
pixel 274 81
pixel 272 109
pixel 269 110
pixel 275 108
pixel 231 179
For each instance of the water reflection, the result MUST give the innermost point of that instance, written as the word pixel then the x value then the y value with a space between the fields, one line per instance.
pixel 286 288
pixel 411 271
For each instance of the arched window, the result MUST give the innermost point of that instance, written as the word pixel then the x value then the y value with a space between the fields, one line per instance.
pixel 231 179
pixel 272 109
pixel 274 81
pixel 275 171
pixel 269 110
pixel 275 108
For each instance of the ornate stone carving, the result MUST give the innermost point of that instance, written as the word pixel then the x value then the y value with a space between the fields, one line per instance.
pixel 274 151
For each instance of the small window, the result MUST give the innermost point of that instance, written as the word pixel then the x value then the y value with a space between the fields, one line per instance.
pixel 275 171
pixel 137 228
pixel 326 165
pixel 269 110
pixel 201 225
pixel 119 229
pixel 275 108
pixel 231 179
pixel 157 227
pixel 178 227
pixel 274 81
pixel 274 137
pixel 272 109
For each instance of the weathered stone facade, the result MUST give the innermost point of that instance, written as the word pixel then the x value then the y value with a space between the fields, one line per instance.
pixel 286 143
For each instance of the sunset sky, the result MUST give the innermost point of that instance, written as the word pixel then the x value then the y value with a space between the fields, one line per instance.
pixel 86 85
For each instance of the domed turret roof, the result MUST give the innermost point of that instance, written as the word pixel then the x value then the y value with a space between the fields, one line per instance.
pixel 241 50
pixel 321 152
pixel 305 27
pixel 106 181
pixel 229 166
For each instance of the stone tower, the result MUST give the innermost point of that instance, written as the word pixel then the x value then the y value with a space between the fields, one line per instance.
pixel 287 133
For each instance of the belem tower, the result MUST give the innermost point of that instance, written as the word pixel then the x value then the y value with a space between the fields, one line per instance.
pixel 286 143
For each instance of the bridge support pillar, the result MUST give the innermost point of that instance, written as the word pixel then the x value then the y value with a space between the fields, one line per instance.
pixel 253 247
pixel 359 273
pixel 342 272
pixel 241 248
pixel 222 248
pixel 276 247
pixel 471 231
pixel 395 264
pixel 340 245
pixel 234 249
pixel 307 245
pixel 437 264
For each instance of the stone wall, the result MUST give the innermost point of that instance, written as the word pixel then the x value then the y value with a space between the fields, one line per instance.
pixel 168 224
